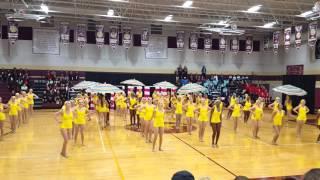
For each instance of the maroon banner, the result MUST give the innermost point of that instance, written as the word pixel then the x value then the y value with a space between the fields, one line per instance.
pixel 295 69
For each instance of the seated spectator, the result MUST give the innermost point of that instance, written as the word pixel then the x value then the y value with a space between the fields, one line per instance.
pixel 182 175
pixel 313 174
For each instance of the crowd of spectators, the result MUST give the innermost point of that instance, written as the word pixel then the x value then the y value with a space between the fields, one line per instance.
pixel 58 86
pixel 16 79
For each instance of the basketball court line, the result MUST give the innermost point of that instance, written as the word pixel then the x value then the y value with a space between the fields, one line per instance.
pixel 210 159
pixel 101 137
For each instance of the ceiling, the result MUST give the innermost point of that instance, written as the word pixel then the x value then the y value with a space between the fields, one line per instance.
pixel 142 13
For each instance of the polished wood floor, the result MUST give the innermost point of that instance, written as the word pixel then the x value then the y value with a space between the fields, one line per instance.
pixel 116 153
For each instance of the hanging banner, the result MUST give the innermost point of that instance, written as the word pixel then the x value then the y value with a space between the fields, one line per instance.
pixel 100 35
pixel 13 32
pixel 266 42
pixel 145 37
pixel 298 35
pixel 81 35
pixel 222 44
pixel 276 38
pixel 207 43
pixel 235 45
pixel 249 44
pixel 287 37
pixel 312 37
pixel 64 33
pixel 180 40
pixel 127 37
pixel 114 35
pixel 193 41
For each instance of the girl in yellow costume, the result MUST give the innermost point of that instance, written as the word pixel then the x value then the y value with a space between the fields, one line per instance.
pixel 142 111
pixel 19 117
pixel 2 118
pixel 65 118
pixel 132 103
pixel 232 102
pixel 81 116
pixel 246 108
pixel 158 124
pixel 25 105
pixel 190 108
pixel 257 115
pixel 178 111
pixel 13 113
pixel 149 110
pixel 103 111
pixel 30 97
pixel 215 121
pixel 289 107
pixel 139 95
pixel 123 106
pixel 236 113
pixel 277 124
pixel 274 106
pixel 302 110
pixel 203 118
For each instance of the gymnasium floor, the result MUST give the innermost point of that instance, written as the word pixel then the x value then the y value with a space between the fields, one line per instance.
pixel 117 153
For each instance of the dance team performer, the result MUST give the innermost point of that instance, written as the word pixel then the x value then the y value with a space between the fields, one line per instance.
pixel 277 123
pixel 232 102
pixel 215 121
pixel 203 110
pixel 302 110
pixel 190 108
pixel 81 115
pixel 158 124
pixel 246 108
pixel 132 101
pixel 318 124
pixel 236 113
pixel 257 115
pixel 2 118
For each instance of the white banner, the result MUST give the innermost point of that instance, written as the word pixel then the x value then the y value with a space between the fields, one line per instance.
pixel 276 38
pixel 249 44
pixel 298 35
pixel 45 41
pixel 222 44
pixel 235 45
pixel 113 37
pixel 64 33
pixel 100 35
pixel 193 41
pixel 266 43
pixel 145 37
pixel 180 40
pixel 13 32
pixel 287 37
pixel 81 35
pixel 207 42
pixel 127 37
pixel 312 37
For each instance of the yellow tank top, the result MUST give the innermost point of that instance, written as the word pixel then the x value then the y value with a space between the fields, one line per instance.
pixel 247 106
pixel 149 112
pixel 288 106
pixel 81 115
pixel 190 110
pixel 232 101
pixel 132 101
pixel 158 118
pixel 275 106
pixel 257 114
pixel 277 120
pixel 216 115
pixel 203 113
pixel 302 114
pixel 139 94
pixel 13 108
pixel 30 98
pixel 67 119
pixel 179 108
pixel 236 109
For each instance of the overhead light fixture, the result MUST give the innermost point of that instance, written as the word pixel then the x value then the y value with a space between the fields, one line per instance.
pixel 187 4
pixel 269 25
pixel 305 14
pixel 44 8
pixel 120 0
pixel 168 18
pixel 110 12
pixel 254 9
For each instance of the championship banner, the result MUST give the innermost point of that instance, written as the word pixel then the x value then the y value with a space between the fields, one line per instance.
pixel 207 43
pixel 13 32
pixel 222 44
pixel 145 38
pixel 249 44
pixel 235 45
pixel 114 35
pixel 180 40
pixel 100 35
pixel 127 37
pixel 312 37
pixel 276 38
pixel 64 33
pixel 287 36
pixel 193 41
pixel 81 35
pixel 298 35
pixel 266 44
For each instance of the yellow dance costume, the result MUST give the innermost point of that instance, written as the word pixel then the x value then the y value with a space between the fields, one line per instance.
pixel 236 111
pixel 203 114
pixel 289 106
pixel 123 104
pixel 142 112
pixel 19 104
pixel 302 114
pixel 66 120
pixel 132 102
pixel 275 106
pixel 13 109
pixel 232 101
pixel 257 114
pixel 149 112
pixel 30 99
pixel 247 106
pixel 179 108
pixel 81 116
pixel 216 115
pixel 277 119
pixel 25 103
pixel 2 114
pixel 158 119
pixel 102 109
pixel 190 110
